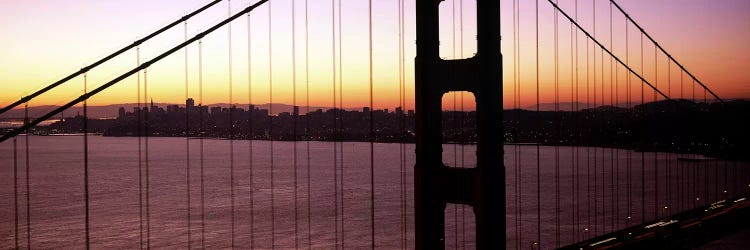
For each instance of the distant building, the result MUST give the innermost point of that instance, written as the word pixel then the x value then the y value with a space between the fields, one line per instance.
pixel 121 113
pixel 171 109
pixel 295 111
pixel 189 104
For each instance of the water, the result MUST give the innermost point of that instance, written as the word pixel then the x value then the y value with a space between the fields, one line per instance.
pixel 57 205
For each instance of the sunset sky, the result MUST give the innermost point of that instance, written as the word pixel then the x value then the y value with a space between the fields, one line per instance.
pixel 42 41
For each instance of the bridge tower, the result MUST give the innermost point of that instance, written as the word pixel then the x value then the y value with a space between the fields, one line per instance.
pixel 436 184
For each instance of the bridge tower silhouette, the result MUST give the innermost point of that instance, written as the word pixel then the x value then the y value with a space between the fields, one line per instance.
pixel 436 184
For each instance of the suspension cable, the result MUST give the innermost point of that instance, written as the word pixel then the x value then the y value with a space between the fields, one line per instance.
pixel 455 122
pixel 146 160
pixel 588 149
pixel 107 58
pixel 15 193
pixel 643 152
pixel 559 129
pixel 656 153
pixel 200 130
pixel 576 153
pixel 403 122
pixel 187 147
pixel 101 88
pixel 341 128
pixel 594 227
pixel 607 50
pixel 28 170
pixel 295 114
pixel 665 52
pixel 307 127
pixel 231 125
pixel 538 153
pixel 270 126
pixel 402 103
pixel 140 149
pixel 251 110
pixel 463 146
pixel 629 105
pixel 335 126
pixel 613 100
pixel 86 161
pixel 372 139
pixel 516 104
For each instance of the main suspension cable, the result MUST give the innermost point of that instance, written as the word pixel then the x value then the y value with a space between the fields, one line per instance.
pixel 101 88
pixel 665 52
pixel 107 58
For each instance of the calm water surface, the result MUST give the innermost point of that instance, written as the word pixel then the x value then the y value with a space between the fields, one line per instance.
pixel 589 206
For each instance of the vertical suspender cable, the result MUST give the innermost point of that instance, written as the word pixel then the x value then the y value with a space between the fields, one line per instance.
pixel 705 163
pixel 595 226
pixel 402 97
pixel 295 114
pixel 372 139
pixel 402 141
pixel 341 128
pixel 335 128
pixel 577 154
pixel 656 154
pixel 15 192
pixel 403 127
pixel 573 178
pixel 187 149
pixel 463 146
pixel 307 127
pixel 335 131
pixel 516 101
pixel 231 126
pixel 643 153
pixel 200 130
pixel 596 117
pixel 86 160
pixel 588 149
pixel 28 189
pixel 539 127
pixel 628 152
pixel 669 157
pixel 604 159
pixel 148 187
pixel 455 123
pixel 270 125
pixel 139 114
pixel 614 153
pixel 250 137
pixel 559 130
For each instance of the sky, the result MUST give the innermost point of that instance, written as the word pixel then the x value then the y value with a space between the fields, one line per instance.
pixel 42 41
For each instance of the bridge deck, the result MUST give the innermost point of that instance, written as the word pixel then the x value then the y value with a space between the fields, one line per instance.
pixel 684 230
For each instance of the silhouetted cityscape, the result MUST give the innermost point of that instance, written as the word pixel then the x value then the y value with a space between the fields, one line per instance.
pixel 669 126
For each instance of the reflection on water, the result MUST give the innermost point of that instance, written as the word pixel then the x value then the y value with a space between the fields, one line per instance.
pixel 57 192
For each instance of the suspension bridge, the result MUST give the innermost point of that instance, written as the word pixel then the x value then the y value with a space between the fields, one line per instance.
pixel 577 129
